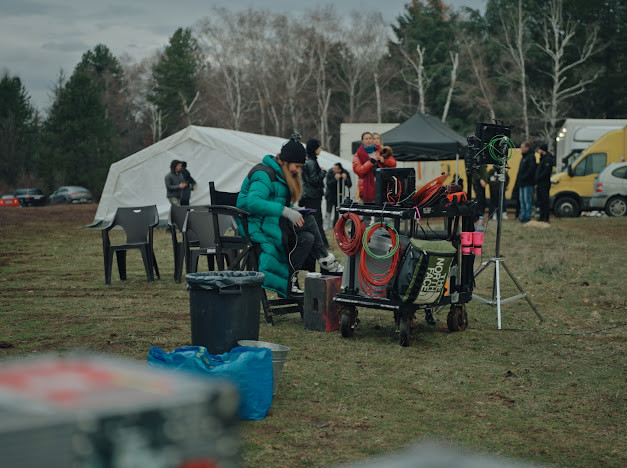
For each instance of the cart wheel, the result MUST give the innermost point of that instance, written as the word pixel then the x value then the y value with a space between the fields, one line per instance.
pixel 349 321
pixel 457 319
pixel 403 332
pixel 347 330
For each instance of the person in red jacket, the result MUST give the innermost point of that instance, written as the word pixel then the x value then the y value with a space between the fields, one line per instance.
pixel 366 160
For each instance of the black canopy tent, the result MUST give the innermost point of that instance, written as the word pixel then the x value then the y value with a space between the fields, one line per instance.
pixel 423 138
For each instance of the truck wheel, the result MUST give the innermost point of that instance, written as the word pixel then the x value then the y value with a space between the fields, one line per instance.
pixel 616 206
pixel 566 207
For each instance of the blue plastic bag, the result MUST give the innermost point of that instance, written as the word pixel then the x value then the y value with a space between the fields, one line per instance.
pixel 250 370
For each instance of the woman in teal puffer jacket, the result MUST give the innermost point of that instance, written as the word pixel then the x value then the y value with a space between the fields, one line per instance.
pixel 268 194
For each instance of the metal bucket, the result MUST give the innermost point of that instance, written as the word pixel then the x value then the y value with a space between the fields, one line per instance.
pixel 279 355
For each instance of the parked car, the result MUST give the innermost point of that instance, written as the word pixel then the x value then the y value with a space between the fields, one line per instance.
pixel 610 190
pixel 30 196
pixel 71 194
pixel 9 200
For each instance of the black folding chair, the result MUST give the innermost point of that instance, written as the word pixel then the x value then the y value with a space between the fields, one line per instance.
pixel 175 223
pixel 138 224
pixel 248 254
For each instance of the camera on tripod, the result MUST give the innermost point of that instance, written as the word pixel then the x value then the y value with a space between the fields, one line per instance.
pixel 489 145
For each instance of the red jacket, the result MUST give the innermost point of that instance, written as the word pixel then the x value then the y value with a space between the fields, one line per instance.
pixel 365 171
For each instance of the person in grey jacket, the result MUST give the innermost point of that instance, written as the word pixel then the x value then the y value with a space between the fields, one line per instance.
pixel 175 182
pixel 313 184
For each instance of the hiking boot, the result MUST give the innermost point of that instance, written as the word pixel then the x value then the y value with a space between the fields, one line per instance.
pixel 294 287
pixel 330 264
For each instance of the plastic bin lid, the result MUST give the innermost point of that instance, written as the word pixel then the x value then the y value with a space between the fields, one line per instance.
pixel 223 279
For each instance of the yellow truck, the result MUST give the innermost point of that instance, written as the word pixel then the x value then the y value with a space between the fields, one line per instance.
pixel 571 190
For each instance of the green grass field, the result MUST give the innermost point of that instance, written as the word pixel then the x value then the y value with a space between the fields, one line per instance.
pixel 550 393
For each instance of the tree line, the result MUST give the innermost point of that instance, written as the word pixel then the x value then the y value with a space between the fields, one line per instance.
pixel 530 63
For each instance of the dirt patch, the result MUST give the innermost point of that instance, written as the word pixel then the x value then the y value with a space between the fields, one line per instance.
pixel 78 215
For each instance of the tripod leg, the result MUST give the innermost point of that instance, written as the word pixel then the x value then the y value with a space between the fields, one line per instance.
pixel 523 292
pixel 497 289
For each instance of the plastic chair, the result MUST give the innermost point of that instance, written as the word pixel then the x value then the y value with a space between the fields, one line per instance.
pixel 200 231
pixel 176 220
pixel 248 254
pixel 138 224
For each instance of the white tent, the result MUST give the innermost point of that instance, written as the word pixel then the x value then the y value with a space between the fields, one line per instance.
pixel 212 154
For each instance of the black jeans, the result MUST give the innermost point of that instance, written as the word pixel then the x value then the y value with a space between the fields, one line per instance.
pixel 542 198
pixel 316 204
pixel 480 196
pixel 308 242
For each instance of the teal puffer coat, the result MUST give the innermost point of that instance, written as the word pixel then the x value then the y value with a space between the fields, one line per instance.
pixel 264 199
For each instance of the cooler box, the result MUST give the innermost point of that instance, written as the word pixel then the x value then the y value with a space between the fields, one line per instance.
pixel 83 410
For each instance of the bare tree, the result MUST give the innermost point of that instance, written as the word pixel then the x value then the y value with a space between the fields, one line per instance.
pixel 566 79
pixel 517 45
pixel 137 85
pixel 187 109
pixel 455 61
pixel 359 52
pixel 419 81
pixel 325 35
pixel 220 36
pixel 475 59
pixel 378 51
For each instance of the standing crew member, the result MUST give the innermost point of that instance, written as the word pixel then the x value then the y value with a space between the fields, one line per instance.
pixel 526 181
pixel 338 179
pixel 366 160
pixel 313 184
pixel 186 192
pixel 175 182
pixel 543 181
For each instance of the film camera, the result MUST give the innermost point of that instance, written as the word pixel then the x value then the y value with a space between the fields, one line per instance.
pixel 489 145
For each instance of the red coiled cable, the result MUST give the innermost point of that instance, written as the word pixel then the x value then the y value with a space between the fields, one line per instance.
pixel 373 284
pixel 349 245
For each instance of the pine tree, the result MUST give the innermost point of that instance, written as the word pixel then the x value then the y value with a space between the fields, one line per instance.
pixel 175 76
pixel 18 129
pixel 80 142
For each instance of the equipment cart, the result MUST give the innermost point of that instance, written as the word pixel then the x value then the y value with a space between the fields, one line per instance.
pixel 456 217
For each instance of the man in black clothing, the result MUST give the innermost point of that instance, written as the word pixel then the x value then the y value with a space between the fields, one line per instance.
pixel 543 181
pixel 338 175
pixel 526 181
pixel 313 184
pixel 186 192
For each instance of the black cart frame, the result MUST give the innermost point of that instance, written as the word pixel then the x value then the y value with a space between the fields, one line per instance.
pixel 457 218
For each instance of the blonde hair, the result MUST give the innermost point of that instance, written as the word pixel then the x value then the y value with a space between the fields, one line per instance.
pixel 294 183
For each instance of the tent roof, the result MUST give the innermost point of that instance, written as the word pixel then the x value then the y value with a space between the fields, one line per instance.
pixel 212 154
pixel 424 138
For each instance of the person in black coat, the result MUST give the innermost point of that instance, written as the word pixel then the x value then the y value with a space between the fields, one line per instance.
pixel 313 184
pixel 543 181
pixel 186 192
pixel 338 175
pixel 526 181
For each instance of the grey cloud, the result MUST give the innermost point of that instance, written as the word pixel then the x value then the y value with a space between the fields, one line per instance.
pixel 66 46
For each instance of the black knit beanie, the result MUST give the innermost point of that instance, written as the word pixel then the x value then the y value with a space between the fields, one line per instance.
pixel 544 147
pixel 312 146
pixel 293 151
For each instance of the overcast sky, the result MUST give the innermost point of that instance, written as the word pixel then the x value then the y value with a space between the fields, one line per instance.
pixel 40 37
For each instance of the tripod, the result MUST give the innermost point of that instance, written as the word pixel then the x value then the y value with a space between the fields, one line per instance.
pixel 498 261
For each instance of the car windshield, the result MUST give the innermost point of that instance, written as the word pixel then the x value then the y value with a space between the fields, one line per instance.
pixel 75 189
pixel 28 191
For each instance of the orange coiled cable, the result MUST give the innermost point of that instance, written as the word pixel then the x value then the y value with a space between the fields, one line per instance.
pixel 349 245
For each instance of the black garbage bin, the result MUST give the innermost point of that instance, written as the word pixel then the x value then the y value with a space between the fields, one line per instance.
pixel 224 308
